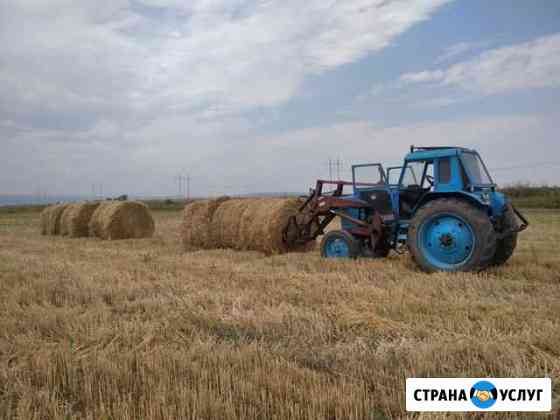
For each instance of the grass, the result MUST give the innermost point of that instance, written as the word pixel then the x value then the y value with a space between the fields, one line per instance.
pixel 139 329
pixel 166 204
pixel 530 196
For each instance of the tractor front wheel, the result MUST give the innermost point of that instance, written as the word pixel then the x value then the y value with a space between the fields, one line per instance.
pixel 382 249
pixel 339 244
pixel 451 235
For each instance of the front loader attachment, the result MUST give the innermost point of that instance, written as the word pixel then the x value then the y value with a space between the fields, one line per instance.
pixel 320 208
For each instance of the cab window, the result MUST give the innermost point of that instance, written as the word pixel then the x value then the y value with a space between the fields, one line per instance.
pixel 444 171
pixel 393 175
pixel 412 174
pixel 428 178
pixel 369 175
pixel 475 169
pixel 418 175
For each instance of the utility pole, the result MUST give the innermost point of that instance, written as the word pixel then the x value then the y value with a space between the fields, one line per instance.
pixel 338 167
pixel 179 179
pixel 184 185
pixel 330 169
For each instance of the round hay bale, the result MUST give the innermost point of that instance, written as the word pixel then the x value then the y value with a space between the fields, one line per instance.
pixel 76 218
pixel 65 219
pixel 197 223
pixel 278 213
pixel 121 220
pixel 255 224
pixel 96 221
pixel 225 227
pixel 54 218
pixel 45 220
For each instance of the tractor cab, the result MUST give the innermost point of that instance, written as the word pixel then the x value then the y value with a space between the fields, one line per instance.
pixel 431 172
pixel 427 173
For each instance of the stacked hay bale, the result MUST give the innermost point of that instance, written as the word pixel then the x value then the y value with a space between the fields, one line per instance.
pixel 45 220
pixel 76 218
pixel 51 219
pixel 106 220
pixel 65 219
pixel 225 229
pixel 121 220
pixel 197 223
pixel 243 224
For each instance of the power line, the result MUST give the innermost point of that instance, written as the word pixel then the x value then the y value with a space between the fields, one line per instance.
pixel 335 168
pixel 338 167
pixel 183 185
pixel 179 180
pixel 527 166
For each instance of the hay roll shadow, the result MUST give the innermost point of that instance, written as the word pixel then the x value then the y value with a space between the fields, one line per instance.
pixel 121 220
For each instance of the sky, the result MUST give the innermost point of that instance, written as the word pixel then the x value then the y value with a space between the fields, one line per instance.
pixel 247 96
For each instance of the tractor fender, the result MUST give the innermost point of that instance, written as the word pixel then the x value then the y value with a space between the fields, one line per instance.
pixel 469 198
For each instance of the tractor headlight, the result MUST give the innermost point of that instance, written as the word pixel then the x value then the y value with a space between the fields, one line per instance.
pixel 485 197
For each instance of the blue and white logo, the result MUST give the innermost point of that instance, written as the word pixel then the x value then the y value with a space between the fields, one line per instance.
pixel 484 394
pixel 478 394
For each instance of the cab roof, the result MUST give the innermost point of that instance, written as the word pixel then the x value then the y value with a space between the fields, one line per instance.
pixel 427 153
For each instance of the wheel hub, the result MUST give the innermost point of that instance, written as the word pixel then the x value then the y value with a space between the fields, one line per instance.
pixel 447 241
pixel 337 248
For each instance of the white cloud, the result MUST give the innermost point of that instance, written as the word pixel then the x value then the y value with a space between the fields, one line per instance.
pixel 534 64
pixel 237 54
pixel 222 158
pixel 501 140
pixel 457 50
pixel 96 87
pixel 262 55
pixel 423 76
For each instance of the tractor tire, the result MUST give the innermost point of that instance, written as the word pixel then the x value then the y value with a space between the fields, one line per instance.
pixel 451 235
pixel 382 250
pixel 340 244
pixel 506 245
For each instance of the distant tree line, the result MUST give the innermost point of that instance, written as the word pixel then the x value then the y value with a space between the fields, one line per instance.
pixel 533 196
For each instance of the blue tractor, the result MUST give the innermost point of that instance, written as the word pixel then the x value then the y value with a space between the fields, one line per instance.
pixel 441 205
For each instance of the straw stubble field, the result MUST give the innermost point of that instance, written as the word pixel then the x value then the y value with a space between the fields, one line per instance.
pixel 91 329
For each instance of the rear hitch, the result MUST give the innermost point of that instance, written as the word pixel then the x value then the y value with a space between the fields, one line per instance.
pixel 524 224
pixel 524 221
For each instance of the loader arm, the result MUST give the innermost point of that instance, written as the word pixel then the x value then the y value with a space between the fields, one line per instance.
pixel 319 210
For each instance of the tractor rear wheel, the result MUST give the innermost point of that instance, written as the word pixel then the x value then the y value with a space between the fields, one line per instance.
pixel 506 245
pixel 339 244
pixel 451 235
